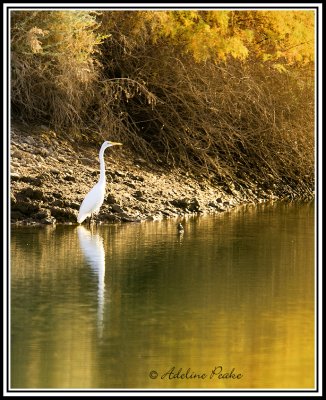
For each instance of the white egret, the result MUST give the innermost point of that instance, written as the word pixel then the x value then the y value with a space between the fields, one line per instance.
pixel 95 197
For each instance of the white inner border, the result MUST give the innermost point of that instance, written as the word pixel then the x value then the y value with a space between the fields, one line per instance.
pixel 6 199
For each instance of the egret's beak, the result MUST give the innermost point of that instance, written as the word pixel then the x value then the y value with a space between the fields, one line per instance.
pixel 115 144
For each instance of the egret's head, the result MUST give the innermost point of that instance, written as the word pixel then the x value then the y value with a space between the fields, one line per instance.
pixel 107 144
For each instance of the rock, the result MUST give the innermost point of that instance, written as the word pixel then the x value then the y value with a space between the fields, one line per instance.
pixel 63 214
pixel 42 214
pixel 127 218
pixel 30 193
pixel 109 217
pixel 186 204
pixel 17 154
pixel 73 205
pixel 156 217
pixel 119 173
pixel 236 193
pixel 37 181
pixel 218 206
pixel 137 177
pixel 42 151
pixel 58 203
pixel 16 215
pixel 26 207
pixel 180 203
pixel 49 221
pixel 194 205
pixel 233 201
pixel 86 161
pixel 116 208
pixel 69 178
pixel 29 140
pixel 138 194
pixel 130 184
pixel 229 203
pixel 110 199
pixel 168 213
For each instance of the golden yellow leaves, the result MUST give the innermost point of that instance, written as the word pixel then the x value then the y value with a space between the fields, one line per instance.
pixel 279 36
pixel 33 39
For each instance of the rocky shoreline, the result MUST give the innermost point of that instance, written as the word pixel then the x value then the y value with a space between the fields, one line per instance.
pixel 50 175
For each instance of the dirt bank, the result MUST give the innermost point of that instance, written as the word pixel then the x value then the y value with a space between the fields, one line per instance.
pixel 49 177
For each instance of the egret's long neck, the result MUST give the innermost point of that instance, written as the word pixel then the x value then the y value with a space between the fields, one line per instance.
pixel 102 166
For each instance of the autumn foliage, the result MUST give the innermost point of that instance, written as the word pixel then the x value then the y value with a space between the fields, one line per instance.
pixel 227 95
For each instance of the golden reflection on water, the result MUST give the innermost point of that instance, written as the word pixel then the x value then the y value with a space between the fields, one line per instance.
pixel 105 308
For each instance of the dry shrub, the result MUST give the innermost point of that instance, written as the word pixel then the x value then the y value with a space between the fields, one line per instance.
pixel 234 122
pixel 52 65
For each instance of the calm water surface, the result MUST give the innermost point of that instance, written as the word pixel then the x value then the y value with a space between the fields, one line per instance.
pixel 139 305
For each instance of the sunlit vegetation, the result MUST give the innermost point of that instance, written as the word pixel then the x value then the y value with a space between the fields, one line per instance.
pixel 227 95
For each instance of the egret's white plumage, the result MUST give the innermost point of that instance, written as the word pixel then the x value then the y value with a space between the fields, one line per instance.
pixel 95 197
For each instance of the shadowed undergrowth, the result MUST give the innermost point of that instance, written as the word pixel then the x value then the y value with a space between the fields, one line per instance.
pixel 239 124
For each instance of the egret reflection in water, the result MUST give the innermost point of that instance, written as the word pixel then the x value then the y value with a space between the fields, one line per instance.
pixel 92 247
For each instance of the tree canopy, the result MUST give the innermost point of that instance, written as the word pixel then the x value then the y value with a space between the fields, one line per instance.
pixel 281 36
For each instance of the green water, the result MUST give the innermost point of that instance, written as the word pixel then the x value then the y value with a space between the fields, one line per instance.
pixel 228 304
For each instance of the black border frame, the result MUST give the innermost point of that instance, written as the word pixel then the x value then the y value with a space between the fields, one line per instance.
pixel 170 6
